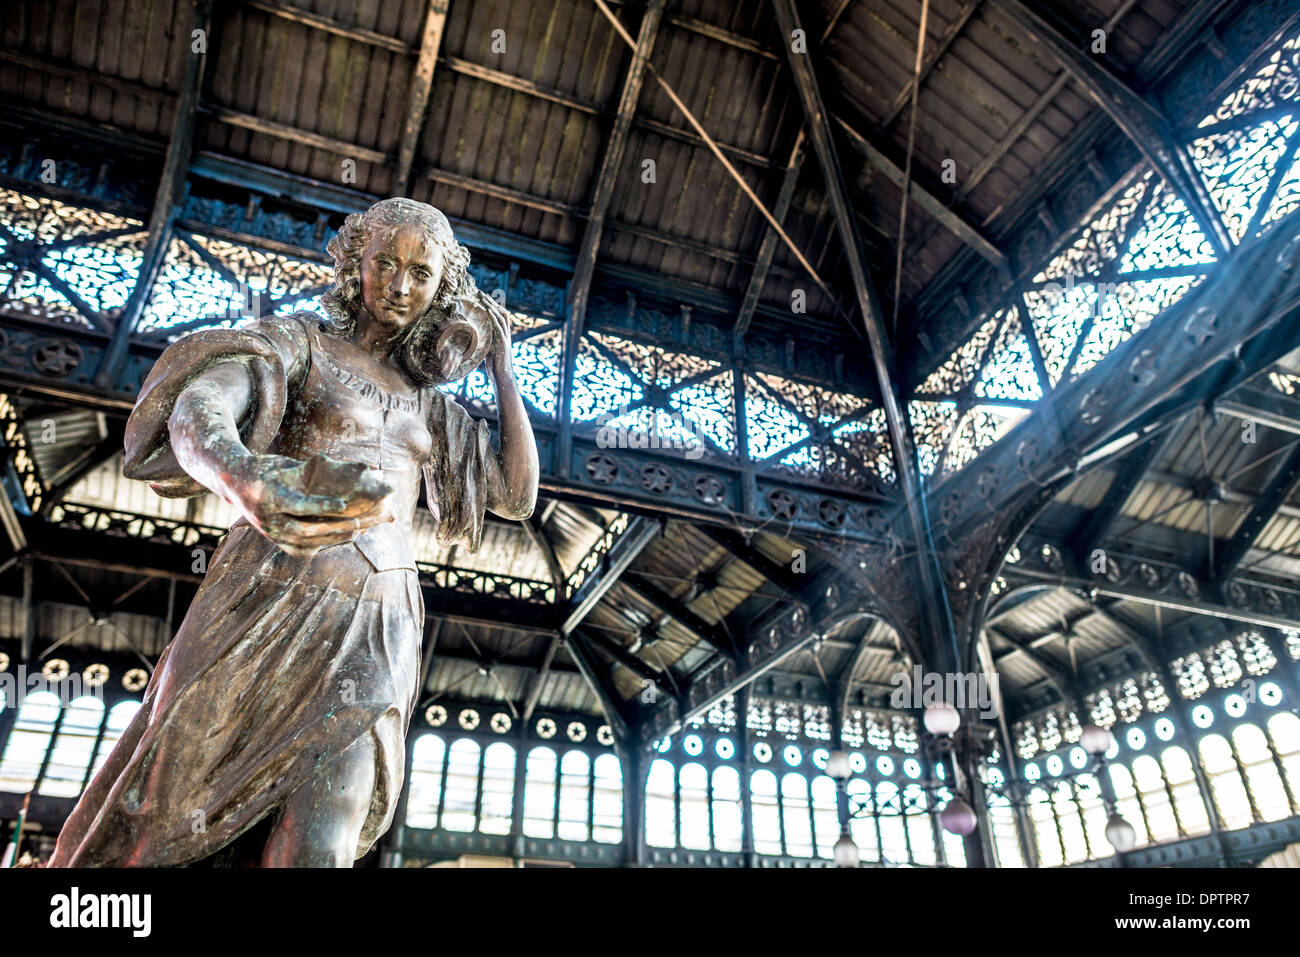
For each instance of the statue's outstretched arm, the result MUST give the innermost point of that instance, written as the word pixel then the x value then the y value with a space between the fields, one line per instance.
pixel 301 506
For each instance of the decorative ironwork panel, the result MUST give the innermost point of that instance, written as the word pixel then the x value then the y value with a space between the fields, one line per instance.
pixel 49 248
pixel 215 282
pixel 1099 242
pixel 1273 84
pixel 1237 166
pixel 11 430
pixel 644 396
pixel 810 431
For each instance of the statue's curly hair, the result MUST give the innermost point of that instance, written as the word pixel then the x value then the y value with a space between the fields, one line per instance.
pixel 341 301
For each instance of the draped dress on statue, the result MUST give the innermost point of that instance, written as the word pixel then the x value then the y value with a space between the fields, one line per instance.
pixel 282 662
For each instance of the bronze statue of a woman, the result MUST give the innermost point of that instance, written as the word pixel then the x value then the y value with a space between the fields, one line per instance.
pixel 283 700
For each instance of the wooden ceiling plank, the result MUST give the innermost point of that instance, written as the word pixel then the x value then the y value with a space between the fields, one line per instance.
pixel 417 98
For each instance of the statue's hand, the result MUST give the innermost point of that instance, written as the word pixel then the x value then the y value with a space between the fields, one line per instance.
pixel 304 506
pixel 494 316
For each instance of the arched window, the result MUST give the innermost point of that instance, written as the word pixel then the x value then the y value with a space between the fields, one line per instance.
pixel 498 788
pixel 1006 836
pixel 766 812
pixel 660 809
pixel 607 800
pixel 1181 775
pixel 920 825
pixel 796 815
pixel 539 793
pixel 74 746
pixel 1161 823
pixel 1225 782
pixel 1261 773
pixel 693 791
pixel 119 717
pixel 1126 800
pixel 893 839
pixel 29 739
pixel 826 815
pixel 426 780
pixel 575 796
pixel 1284 730
pixel 863 827
pixel 1069 822
pixel 1046 838
pixel 1092 808
pixel 727 809
pixel 459 803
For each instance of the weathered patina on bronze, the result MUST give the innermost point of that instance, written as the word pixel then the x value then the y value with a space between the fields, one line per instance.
pixel 280 708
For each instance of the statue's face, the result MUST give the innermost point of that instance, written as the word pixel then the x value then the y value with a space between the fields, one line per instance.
pixel 400 275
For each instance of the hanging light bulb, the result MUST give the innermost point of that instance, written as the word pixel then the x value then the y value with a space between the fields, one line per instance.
pixel 958 818
pixel 837 765
pixel 846 852
pixel 1120 833
pixel 941 719
pixel 1095 739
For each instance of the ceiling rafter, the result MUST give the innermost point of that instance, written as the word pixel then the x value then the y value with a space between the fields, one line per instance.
pixel 1130 471
pixel 417 98
pixel 602 193
pixel 1284 484
pixel 1142 123
pixel 767 247
pixel 938 208
pixel 934 605
pixel 170 185
pixel 665 604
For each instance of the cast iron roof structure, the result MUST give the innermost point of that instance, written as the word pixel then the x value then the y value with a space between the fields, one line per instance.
pixel 785 453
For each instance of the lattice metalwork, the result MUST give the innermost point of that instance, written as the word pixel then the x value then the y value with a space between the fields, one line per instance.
pixel 978 429
pixel 1167 236
pixel 722 715
pixel 1155 697
pixel 963 365
pixel 879 733
pixel 816 432
pixel 906 732
pixel 1009 371
pixel 212 282
pixel 1101 708
pixel 470 581
pixel 591 561
pixel 1025 735
pixel 51 250
pixel 652 397
pixel 1273 84
pixel 1190 673
pixel 995 365
pixel 1126 309
pixel 1224 668
pixel 148 528
pixel 1284 382
pixel 11 429
pixel 759 718
pixel 817 722
pixel 1238 166
pixel 1099 243
pixel 189 291
pixel 932 426
pixel 1256 656
pixel 787 718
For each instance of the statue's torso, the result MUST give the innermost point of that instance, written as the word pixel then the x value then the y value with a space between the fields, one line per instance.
pixel 340 412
